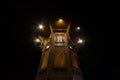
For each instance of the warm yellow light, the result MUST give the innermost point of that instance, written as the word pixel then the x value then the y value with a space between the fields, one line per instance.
pixel 80 41
pixel 37 40
pixel 40 26
pixel 47 46
pixel 60 20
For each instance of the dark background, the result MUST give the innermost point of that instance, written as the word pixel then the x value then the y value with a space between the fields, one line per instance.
pixel 23 57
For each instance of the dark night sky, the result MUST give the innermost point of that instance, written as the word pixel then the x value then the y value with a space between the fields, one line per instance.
pixel 23 59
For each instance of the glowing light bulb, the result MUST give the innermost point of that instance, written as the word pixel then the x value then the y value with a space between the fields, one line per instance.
pixel 41 27
pixel 78 28
pixel 37 40
pixel 60 20
pixel 80 41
